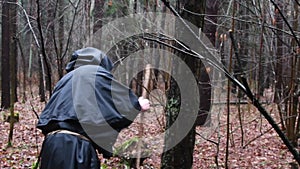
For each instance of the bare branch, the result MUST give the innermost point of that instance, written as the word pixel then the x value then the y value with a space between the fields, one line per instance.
pixel 287 23
pixel 72 26
pixel 28 22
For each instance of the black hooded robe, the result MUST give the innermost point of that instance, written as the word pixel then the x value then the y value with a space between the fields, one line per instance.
pixel 90 102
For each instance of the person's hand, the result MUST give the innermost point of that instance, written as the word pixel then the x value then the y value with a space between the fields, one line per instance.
pixel 144 103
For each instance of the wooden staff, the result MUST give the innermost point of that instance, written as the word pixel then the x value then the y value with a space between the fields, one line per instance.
pixel 146 83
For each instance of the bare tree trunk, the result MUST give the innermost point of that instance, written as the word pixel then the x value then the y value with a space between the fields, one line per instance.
pixel 24 45
pixel 5 66
pixel 41 79
pixel 261 85
pixel 10 12
pixel 293 102
pixel 210 30
pixel 23 70
pixel 229 89
pixel 279 54
pixel 244 39
pixel 13 51
pixel 42 52
pixel 297 72
pixel 181 156
pixel 98 15
pixel 61 39
pixel 210 24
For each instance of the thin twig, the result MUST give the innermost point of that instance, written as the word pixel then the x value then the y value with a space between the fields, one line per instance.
pixel 211 141
pixel 255 138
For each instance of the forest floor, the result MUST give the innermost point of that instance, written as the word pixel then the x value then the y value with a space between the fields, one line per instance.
pixel 252 141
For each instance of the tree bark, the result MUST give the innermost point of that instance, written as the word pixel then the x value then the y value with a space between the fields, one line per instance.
pixel 279 55
pixel 210 28
pixel 181 156
pixel 9 60
pixel 98 14
pixel 42 53
pixel 61 39
pixel 5 66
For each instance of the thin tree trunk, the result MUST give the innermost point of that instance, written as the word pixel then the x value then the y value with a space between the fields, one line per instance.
pixel 13 50
pixel 279 54
pixel 23 70
pixel 293 98
pixel 98 14
pixel 12 62
pixel 210 24
pixel 261 81
pixel 5 66
pixel 42 50
pixel 61 39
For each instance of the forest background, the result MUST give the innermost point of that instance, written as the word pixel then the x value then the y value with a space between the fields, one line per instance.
pixel 257 41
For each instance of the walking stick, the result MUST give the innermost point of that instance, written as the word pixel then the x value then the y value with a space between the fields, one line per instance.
pixel 146 82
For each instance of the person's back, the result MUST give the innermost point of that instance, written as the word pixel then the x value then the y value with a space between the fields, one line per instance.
pixel 84 114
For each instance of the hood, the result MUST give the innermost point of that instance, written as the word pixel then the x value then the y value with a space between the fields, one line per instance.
pixel 89 56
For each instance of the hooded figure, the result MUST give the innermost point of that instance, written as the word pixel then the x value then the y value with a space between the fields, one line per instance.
pixel 86 112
